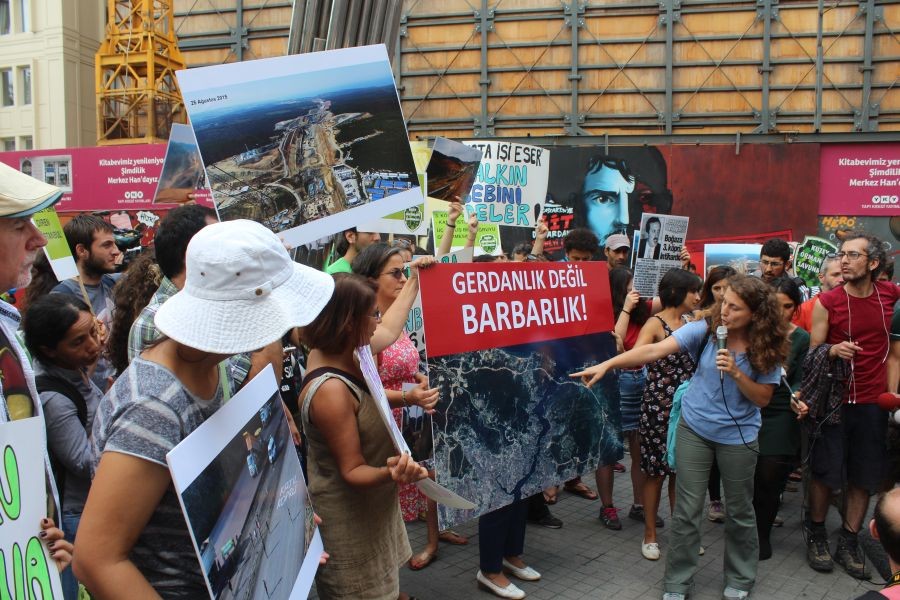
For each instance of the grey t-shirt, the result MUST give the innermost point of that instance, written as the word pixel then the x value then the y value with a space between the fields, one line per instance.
pixel 146 413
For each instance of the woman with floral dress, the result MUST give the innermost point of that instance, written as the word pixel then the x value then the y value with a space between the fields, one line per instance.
pixel 679 293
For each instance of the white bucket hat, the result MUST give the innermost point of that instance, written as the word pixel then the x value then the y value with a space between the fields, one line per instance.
pixel 242 291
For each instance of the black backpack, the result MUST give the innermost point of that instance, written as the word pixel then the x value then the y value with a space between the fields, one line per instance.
pixel 48 383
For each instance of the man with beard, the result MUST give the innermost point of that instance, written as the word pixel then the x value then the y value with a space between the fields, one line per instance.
pixel 352 242
pixel 854 320
pixel 96 254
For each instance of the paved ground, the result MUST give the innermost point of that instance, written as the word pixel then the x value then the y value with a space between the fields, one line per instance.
pixel 585 560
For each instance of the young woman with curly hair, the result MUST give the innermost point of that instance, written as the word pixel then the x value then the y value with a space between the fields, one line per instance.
pixel 720 418
pixel 131 294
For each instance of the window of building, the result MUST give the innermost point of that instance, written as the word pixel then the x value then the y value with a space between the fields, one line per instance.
pixel 25 84
pixel 5 18
pixel 9 144
pixel 26 142
pixel 7 93
pixel 22 15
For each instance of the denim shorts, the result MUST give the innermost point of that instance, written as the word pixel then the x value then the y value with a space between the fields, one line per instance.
pixel 631 390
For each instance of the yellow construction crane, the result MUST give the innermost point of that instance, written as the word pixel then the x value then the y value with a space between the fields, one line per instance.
pixel 137 93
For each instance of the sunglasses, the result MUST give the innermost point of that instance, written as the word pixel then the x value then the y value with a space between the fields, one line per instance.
pixel 398 273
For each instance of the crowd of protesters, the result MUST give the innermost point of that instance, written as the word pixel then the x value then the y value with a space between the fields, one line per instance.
pixel 726 383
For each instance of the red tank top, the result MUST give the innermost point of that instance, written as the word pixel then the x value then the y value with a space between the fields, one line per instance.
pixel 867 324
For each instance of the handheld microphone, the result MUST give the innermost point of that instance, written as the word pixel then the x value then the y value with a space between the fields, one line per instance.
pixel 722 343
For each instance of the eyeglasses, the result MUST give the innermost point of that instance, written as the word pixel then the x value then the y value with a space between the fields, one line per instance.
pixel 398 273
pixel 376 315
pixel 853 255
pixel 771 263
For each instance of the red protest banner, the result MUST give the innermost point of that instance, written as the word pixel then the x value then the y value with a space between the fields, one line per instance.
pixel 467 307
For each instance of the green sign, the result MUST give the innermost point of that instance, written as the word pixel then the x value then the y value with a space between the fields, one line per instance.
pixel 809 258
pixel 57 248
pixel 487 239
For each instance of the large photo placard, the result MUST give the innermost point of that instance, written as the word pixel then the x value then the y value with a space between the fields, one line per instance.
pixel 510 421
pixel 240 485
pixel 307 144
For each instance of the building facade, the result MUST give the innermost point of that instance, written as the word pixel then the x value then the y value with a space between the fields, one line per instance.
pixel 47 95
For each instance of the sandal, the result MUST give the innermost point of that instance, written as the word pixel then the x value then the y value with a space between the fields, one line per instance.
pixel 579 488
pixel 428 558
pixel 451 537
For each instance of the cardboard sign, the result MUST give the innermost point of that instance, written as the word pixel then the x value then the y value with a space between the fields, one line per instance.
pixel 28 571
pixel 306 144
pixel 809 257
pixel 511 184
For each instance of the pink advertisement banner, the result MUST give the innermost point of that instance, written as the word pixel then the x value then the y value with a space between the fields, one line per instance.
pixel 113 178
pixel 859 179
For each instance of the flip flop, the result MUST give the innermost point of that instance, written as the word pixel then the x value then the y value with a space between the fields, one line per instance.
pixel 581 489
pixel 429 558
pixel 451 537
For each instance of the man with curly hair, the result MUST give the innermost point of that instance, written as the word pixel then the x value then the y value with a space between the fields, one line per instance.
pixel 854 320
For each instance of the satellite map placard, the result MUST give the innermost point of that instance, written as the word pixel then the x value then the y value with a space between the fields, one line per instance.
pixel 502 340
pixel 306 144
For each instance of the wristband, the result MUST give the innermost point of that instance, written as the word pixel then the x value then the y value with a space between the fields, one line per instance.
pixel 453 226
pixel 626 312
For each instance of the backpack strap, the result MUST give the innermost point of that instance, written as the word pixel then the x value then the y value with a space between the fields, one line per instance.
pixel 48 383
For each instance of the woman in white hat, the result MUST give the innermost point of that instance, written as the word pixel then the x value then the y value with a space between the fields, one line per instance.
pixel 242 292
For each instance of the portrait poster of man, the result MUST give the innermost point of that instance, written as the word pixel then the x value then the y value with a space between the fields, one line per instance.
pixel 658 249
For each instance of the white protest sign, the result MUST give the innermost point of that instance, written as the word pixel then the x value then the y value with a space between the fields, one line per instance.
pixel 28 571
pixel 511 184
pixel 428 487
pixel 240 485
pixel 657 249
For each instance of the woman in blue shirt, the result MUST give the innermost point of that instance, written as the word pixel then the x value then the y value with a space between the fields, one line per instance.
pixel 720 418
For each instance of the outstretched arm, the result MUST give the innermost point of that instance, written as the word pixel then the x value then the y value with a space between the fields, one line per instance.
pixel 455 209
pixel 394 319
pixel 636 357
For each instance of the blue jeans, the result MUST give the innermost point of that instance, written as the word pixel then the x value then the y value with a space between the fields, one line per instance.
pixel 69 526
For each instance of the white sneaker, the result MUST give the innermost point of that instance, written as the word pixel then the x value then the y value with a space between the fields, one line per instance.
pixel 731 593
pixel 650 551
pixel 524 573
pixel 510 591
pixel 673 596
pixel 702 551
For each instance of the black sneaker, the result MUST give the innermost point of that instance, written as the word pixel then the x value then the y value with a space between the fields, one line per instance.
pixel 637 513
pixel 849 556
pixel 817 554
pixel 549 521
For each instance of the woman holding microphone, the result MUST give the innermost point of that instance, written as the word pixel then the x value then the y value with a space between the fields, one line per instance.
pixel 739 352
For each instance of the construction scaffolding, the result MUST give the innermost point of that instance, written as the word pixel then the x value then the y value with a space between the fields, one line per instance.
pixel 137 93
